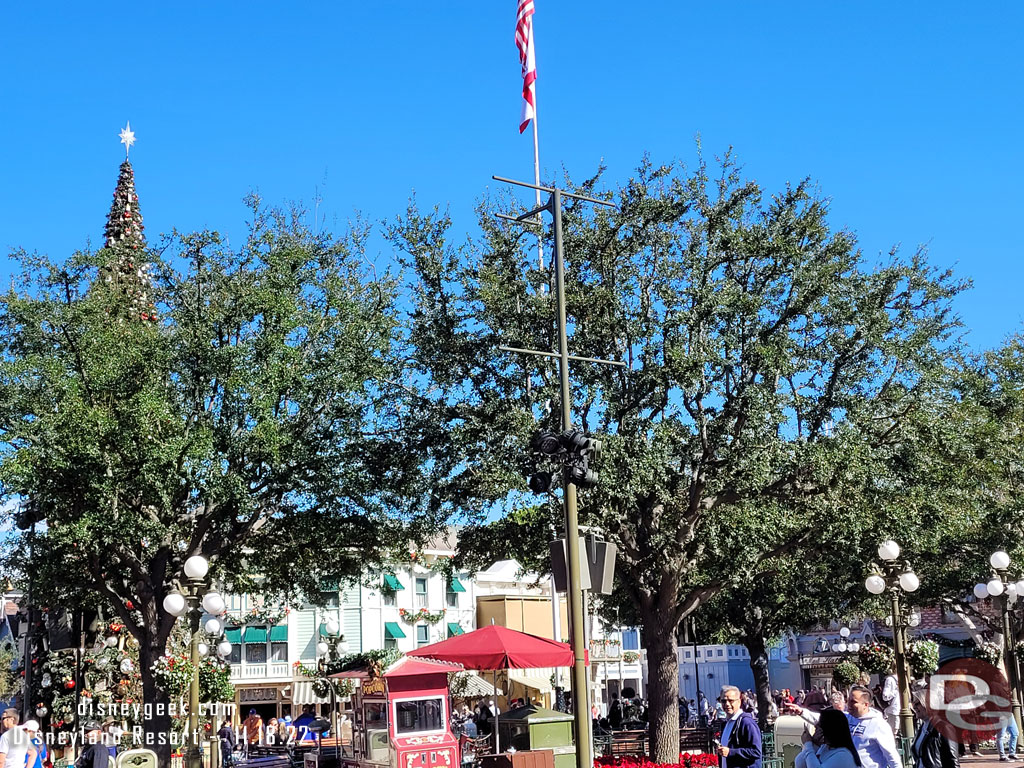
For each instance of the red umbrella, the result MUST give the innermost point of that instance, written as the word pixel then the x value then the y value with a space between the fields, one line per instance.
pixel 495 647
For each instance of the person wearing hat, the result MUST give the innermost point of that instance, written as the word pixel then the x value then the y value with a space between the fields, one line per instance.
pixel 96 754
pixel 42 754
pixel 16 749
pixel 252 728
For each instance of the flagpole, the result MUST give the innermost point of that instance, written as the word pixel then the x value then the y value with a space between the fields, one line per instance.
pixel 536 180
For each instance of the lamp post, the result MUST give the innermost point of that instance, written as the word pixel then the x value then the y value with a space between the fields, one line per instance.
pixel 896 577
pixel 1005 591
pixel 339 647
pixel 845 645
pixel 193 601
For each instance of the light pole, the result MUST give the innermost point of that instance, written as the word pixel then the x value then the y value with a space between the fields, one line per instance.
pixel 194 602
pixel 845 645
pixel 574 590
pixel 1005 591
pixel 896 576
pixel 333 631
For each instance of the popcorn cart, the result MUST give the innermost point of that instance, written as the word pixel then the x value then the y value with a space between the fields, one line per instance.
pixel 401 717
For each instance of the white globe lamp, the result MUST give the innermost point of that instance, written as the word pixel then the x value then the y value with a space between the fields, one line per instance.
pixel 341 647
pixel 844 631
pixel 980 591
pixel 203 649
pixel 213 603
pixel 332 627
pixel 994 587
pixel 213 626
pixel 196 567
pixel 909 581
pixel 322 648
pixel 874 584
pixel 841 647
pixel 999 560
pixel 888 550
pixel 175 604
pixel 224 648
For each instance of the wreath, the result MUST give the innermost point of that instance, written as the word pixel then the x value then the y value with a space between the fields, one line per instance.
pixel 258 616
pixel 412 617
pixel 630 657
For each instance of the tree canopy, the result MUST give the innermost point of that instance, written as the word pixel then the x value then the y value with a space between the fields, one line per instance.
pixel 771 381
pixel 255 422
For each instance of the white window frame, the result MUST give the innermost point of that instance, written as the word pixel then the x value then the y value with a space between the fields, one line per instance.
pixel 405 734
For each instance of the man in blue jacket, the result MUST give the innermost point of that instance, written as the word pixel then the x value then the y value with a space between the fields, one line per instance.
pixel 740 745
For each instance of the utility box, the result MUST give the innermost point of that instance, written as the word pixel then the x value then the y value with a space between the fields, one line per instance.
pixel 534 728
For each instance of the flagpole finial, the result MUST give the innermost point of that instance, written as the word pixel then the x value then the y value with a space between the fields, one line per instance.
pixel 127 138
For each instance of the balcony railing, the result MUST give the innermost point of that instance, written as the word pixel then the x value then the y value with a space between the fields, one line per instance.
pixel 274 670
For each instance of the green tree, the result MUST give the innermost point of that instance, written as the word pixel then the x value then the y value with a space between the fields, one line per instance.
pixel 253 423
pixel 770 373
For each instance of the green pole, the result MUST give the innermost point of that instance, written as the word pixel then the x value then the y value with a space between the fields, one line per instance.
pixel 580 697
pixel 899 637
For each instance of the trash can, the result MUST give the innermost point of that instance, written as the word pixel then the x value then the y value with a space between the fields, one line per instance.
pixel 536 728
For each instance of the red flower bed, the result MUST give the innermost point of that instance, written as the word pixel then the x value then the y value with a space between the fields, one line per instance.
pixel 686 760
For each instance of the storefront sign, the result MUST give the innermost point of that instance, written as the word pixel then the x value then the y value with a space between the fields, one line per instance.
pixel 247 695
pixel 374 686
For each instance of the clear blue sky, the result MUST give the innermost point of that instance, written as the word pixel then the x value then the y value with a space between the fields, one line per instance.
pixel 908 115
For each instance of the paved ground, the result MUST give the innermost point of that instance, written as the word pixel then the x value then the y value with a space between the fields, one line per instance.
pixel 990 759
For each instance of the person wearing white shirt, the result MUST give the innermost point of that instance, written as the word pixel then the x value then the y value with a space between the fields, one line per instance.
pixel 872 736
pixel 16 748
pixel 891 699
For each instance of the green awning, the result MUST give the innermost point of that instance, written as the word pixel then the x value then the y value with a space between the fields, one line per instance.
pixel 454 629
pixel 392 631
pixel 391 582
pixel 255 635
pixel 233 635
pixel 279 634
pixel 456 585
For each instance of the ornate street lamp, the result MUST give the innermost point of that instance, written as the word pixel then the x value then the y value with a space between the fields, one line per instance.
pixel 896 577
pixel 194 602
pixel 332 629
pixel 845 645
pixel 1004 591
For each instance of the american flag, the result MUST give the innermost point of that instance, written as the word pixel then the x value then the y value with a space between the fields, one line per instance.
pixel 524 42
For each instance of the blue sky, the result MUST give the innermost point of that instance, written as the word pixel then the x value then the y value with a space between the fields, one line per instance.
pixel 908 115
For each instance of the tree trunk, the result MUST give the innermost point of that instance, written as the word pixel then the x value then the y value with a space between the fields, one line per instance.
pixel 754 642
pixel 158 726
pixel 662 689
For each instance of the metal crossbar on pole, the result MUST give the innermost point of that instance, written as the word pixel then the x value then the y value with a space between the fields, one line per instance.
pixel 574 593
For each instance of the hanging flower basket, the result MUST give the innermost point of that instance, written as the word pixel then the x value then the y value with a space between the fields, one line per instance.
pixel 876 658
pixel 924 657
pixel 988 651
pixel 845 674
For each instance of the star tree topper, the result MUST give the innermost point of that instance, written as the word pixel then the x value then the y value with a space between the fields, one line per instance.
pixel 127 138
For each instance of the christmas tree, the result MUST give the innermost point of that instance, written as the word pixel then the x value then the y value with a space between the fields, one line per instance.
pixel 126 273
